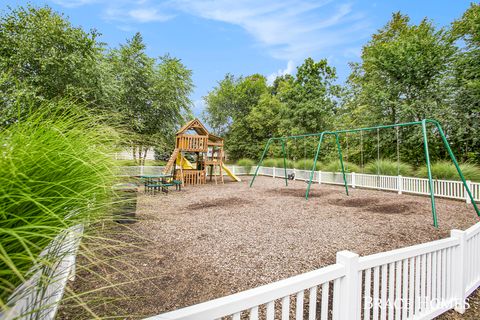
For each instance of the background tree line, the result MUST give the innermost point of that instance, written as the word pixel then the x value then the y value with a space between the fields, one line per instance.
pixel 407 72
pixel 44 58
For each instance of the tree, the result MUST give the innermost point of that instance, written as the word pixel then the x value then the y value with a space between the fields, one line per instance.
pixel 44 56
pixel 247 111
pixel 231 100
pixel 403 77
pixel 467 83
pixel 311 98
pixel 153 97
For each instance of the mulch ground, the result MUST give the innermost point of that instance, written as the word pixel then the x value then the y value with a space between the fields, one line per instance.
pixel 213 240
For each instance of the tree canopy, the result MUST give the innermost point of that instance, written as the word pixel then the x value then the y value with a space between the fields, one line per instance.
pixel 43 57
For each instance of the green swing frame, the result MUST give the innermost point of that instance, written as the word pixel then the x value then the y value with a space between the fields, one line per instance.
pixel 423 123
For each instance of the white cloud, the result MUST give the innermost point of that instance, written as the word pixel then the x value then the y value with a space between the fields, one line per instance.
pixel 286 30
pixel 198 107
pixel 126 11
pixel 148 15
pixel 288 70
pixel 289 30
pixel 73 3
pixel 140 12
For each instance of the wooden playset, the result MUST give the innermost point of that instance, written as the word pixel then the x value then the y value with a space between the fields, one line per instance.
pixel 205 151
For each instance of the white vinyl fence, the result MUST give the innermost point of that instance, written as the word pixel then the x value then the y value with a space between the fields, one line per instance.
pixel 414 185
pixel 39 296
pixel 417 282
pixel 400 184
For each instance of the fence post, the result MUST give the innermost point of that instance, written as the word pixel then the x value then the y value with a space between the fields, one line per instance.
pixel 233 169
pixel 141 170
pixel 273 174
pixel 353 179
pixel 459 270
pixel 467 197
pixel 400 184
pixel 320 177
pixel 294 174
pixel 349 291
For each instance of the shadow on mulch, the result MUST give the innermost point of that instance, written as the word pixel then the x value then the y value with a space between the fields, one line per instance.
pixel 372 205
pixel 217 203
pixel 405 208
pixel 354 202
pixel 299 192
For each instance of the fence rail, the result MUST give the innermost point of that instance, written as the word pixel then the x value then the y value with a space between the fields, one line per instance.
pixel 414 185
pixel 39 296
pixel 442 188
pixel 417 282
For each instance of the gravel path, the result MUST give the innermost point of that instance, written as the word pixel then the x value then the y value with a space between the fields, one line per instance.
pixel 213 240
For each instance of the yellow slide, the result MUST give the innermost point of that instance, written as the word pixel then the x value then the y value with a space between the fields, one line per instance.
pixel 230 174
pixel 185 163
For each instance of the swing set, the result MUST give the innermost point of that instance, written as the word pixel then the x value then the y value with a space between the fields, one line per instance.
pixel 321 135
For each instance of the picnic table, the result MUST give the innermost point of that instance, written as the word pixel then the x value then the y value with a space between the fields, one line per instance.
pixel 154 182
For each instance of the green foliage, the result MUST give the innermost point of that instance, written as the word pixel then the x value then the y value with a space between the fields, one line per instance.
pixel 403 76
pixel 278 163
pixel 270 162
pixel 153 97
pixel 45 57
pixel 389 168
pixel 132 163
pixel 247 163
pixel 307 164
pixel 335 166
pixel 248 112
pixel 311 98
pixel 446 170
pixel 55 171
pixel 466 83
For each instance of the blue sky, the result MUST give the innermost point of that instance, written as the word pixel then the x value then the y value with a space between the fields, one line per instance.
pixel 214 37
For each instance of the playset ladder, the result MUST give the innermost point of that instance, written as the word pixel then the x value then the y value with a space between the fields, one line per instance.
pixel 171 161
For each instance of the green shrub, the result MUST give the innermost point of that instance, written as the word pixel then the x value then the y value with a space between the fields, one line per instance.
pixel 278 163
pixel 389 168
pixel 335 166
pixel 446 170
pixel 132 163
pixel 270 162
pixel 307 164
pixel 55 172
pixel 247 163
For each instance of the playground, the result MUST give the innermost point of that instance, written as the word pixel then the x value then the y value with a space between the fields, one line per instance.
pixel 210 241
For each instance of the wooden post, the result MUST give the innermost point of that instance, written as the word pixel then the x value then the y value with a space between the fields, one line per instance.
pixel 353 180
pixel 273 175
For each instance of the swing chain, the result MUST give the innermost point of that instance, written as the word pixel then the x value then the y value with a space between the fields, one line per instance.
pixel 378 151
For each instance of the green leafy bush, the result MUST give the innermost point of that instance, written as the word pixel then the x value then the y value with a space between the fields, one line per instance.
pixel 335 166
pixel 446 170
pixel 269 162
pixel 389 168
pixel 278 163
pixel 54 173
pixel 247 163
pixel 307 164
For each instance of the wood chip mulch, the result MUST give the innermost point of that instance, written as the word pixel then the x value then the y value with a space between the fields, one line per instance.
pixel 209 241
